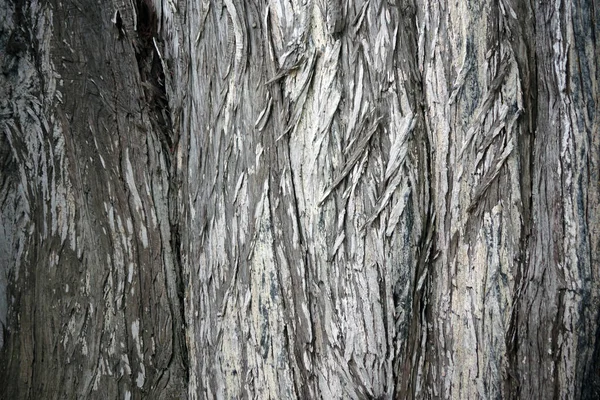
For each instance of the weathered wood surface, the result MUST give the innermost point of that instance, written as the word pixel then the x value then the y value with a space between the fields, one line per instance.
pixel 299 199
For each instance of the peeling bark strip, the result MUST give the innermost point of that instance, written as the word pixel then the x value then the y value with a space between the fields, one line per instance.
pixel 299 199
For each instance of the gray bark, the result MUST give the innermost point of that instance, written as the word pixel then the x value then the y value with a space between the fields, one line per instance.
pixel 299 199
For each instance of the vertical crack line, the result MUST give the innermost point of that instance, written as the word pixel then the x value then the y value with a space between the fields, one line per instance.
pixel 179 308
pixel 152 75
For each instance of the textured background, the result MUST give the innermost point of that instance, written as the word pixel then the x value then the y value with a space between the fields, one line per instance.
pixel 299 199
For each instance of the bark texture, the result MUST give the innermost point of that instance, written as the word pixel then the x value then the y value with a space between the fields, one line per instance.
pixel 336 199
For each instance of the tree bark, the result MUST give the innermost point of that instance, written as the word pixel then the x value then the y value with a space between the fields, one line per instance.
pixel 299 199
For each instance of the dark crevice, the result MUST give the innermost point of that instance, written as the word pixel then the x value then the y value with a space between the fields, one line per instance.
pixel 152 76
pixel 590 389
pixel 408 359
pixel 523 43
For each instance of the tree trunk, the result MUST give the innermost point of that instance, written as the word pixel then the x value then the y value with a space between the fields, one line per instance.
pixel 299 199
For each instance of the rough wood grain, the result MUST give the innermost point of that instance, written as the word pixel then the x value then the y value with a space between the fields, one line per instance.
pixel 299 199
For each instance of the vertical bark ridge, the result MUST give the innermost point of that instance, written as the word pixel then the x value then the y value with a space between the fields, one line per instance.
pixel 89 286
pixel 474 104
pixel 555 308
pixel 276 253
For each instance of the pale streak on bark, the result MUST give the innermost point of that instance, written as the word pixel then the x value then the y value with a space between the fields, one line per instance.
pixel 302 295
pixel 474 275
